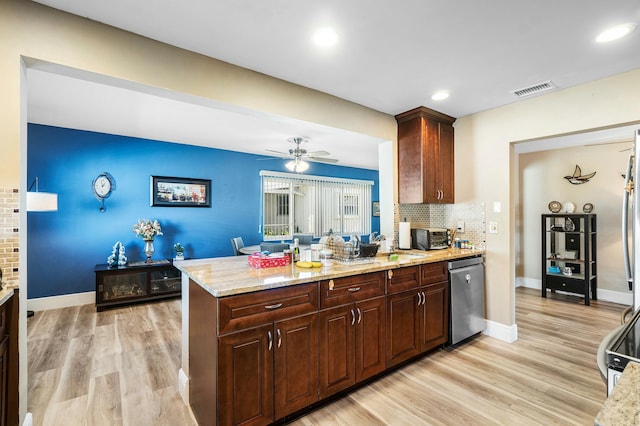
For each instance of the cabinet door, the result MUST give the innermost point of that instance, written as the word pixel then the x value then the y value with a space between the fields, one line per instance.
pixel 446 163
pixel 4 379
pixel 436 310
pixel 370 338
pixel 337 344
pixel 431 174
pixel 296 364
pixel 246 377
pixel 405 319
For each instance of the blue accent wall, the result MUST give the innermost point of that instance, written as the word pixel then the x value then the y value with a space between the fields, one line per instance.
pixel 63 247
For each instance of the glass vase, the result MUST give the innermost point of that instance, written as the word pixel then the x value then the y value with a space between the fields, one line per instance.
pixel 148 250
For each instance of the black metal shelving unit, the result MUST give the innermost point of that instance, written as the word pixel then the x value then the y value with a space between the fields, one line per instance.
pixel 569 254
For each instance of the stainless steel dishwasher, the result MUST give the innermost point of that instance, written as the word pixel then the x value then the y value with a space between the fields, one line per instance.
pixel 467 298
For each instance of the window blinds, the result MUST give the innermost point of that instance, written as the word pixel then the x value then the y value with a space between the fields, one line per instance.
pixel 304 204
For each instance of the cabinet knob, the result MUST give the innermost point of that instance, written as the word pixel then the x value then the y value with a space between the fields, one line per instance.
pixel 390 274
pixel 331 284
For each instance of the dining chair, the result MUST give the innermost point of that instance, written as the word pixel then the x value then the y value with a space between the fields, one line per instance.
pixel 273 247
pixel 237 244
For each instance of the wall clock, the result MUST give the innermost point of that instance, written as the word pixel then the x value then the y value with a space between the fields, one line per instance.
pixel 103 185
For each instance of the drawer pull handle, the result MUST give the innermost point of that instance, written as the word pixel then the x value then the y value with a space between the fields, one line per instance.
pixel 276 306
pixel 270 339
pixel 353 317
pixel 279 337
pixel 331 284
pixel 354 289
pixel 390 274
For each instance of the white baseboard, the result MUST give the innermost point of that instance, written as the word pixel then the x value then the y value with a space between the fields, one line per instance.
pixel 506 333
pixel 183 386
pixel 28 420
pixel 620 297
pixel 64 301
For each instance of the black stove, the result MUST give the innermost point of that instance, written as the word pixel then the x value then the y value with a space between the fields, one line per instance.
pixel 627 346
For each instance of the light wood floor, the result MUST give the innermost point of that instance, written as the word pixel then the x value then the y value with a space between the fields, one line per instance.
pixel 119 367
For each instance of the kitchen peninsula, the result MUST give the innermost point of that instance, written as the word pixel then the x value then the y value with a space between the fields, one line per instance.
pixel 266 343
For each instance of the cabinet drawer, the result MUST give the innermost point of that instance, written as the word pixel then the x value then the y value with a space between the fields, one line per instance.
pixel 434 273
pixel 341 291
pixel 403 279
pixel 252 309
pixel 566 284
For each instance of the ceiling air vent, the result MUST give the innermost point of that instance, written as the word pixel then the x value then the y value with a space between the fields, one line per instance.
pixel 533 89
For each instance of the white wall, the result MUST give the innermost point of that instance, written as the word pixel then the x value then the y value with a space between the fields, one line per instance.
pixel 487 166
pixel 541 181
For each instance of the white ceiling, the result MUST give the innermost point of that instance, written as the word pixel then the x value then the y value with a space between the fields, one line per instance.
pixel 391 56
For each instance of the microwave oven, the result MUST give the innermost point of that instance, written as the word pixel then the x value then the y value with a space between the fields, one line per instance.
pixel 430 238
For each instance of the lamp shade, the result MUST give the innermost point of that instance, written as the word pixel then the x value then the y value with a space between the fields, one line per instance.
pixel 42 202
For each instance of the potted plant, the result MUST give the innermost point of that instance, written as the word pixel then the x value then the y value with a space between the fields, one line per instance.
pixel 177 247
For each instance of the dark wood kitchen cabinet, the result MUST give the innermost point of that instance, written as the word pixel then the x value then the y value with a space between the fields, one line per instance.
pixel 351 346
pixel 9 360
pixel 417 311
pixel 425 157
pixel 262 364
pixel 269 371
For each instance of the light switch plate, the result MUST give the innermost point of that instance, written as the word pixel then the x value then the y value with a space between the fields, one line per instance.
pixel 493 227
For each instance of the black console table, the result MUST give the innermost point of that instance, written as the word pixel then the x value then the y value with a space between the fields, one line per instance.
pixel 569 255
pixel 136 282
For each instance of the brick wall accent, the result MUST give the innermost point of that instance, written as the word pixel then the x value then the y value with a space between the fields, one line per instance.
pixel 9 235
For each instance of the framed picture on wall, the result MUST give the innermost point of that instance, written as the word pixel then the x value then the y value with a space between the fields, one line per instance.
pixel 375 209
pixel 180 192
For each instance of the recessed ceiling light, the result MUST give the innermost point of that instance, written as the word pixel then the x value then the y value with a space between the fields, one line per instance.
pixel 616 32
pixel 438 96
pixel 325 37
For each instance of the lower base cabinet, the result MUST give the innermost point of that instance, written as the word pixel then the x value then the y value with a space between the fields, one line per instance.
pixel 351 344
pixel 256 358
pixel 269 372
pixel 417 319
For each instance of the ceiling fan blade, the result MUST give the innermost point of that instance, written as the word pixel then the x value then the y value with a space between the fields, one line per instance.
pixel 313 153
pixel 277 152
pixel 322 160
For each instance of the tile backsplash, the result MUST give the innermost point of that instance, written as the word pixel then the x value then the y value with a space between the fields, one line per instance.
pixel 445 216
pixel 9 235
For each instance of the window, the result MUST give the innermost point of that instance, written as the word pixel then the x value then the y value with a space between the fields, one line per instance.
pixel 293 204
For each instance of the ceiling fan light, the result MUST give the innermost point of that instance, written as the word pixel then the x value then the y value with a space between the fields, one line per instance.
pixel 297 166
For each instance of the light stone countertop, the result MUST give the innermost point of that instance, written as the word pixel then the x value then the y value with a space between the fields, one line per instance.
pixel 623 405
pixel 226 276
pixel 6 293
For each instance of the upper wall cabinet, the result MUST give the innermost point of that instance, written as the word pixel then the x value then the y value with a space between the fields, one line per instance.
pixel 425 157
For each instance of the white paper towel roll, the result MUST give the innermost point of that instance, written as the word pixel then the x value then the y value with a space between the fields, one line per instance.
pixel 404 235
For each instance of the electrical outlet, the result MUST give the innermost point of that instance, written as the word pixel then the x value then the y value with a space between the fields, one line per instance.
pixel 493 227
pixel 461 226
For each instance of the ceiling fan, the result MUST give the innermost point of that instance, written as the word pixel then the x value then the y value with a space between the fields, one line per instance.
pixel 299 155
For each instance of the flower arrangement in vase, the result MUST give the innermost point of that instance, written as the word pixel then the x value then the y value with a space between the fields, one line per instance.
pixel 148 230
